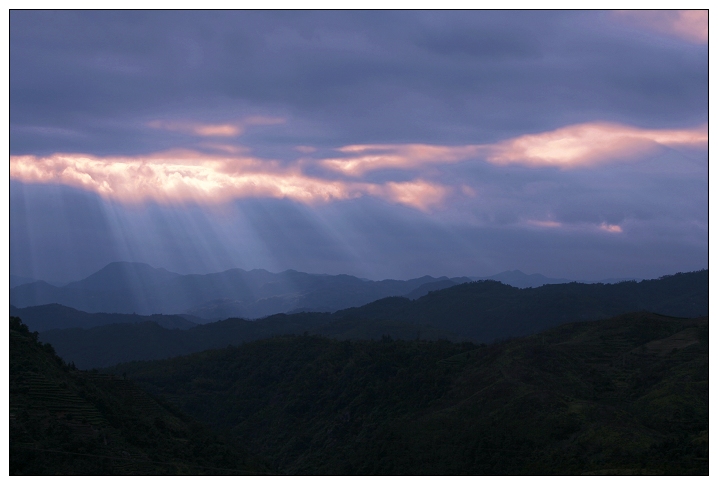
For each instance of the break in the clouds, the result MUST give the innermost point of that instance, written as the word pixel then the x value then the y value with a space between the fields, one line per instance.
pixel 690 25
pixel 179 177
pixel 192 176
pixel 472 135
pixel 568 147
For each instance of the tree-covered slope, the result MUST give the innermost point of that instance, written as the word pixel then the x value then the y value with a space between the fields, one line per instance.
pixel 112 344
pixel 620 396
pixel 487 310
pixel 55 316
pixel 481 312
pixel 68 422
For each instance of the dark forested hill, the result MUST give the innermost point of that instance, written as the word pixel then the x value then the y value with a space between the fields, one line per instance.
pixel 628 395
pixel 111 344
pixel 69 422
pixel 435 286
pixel 481 312
pixel 487 310
pixel 520 279
pixel 51 316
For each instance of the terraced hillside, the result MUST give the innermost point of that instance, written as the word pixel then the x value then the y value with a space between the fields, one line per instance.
pixel 69 422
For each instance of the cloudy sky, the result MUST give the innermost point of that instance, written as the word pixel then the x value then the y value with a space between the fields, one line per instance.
pixel 381 144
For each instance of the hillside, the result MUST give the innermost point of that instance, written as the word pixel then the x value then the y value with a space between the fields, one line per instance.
pixel 520 279
pixel 487 310
pixel 628 395
pixel 480 312
pixel 55 316
pixel 111 344
pixel 68 422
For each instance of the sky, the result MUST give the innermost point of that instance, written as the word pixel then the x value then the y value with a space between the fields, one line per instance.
pixel 382 144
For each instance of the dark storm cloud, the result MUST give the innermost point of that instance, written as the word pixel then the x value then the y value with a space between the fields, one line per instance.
pixel 89 81
pixel 244 89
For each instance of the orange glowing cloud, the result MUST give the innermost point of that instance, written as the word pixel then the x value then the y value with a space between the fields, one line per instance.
pixel 197 128
pixel 544 223
pixel 364 158
pixel 610 228
pixel 418 193
pixel 690 25
pixel 589 144
pixel 218 130
pixel 572 146
pixel 190 176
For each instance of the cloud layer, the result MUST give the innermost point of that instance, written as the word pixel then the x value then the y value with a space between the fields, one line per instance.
pixel 90 82
pixel 195 177
pixel 591 144
pixel 574 146
pixel 182 176
pixel 379 143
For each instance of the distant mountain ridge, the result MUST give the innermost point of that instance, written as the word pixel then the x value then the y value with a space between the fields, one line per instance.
pixel 519 279
pixel 483 311
pixel 426 288
pixel 139 288
pixel 56 316
pixel 127 288
pixel 487 310
pixel 17 280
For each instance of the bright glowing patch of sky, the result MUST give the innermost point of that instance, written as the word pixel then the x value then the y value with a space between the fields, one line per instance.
pixel 195 177
pixel 690 25
pixel 393 144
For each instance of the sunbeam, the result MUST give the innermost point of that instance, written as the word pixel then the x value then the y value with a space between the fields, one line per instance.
pixel 440 145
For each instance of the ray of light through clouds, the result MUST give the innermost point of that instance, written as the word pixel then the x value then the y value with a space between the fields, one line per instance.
pixel 380 144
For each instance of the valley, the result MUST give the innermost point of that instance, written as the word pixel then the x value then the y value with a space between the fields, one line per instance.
pixel 475 378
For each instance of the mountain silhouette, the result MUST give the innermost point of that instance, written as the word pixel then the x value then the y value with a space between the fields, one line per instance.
pixel 483 311
pixel 139 288
pixel 520 279
pixel 56 316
